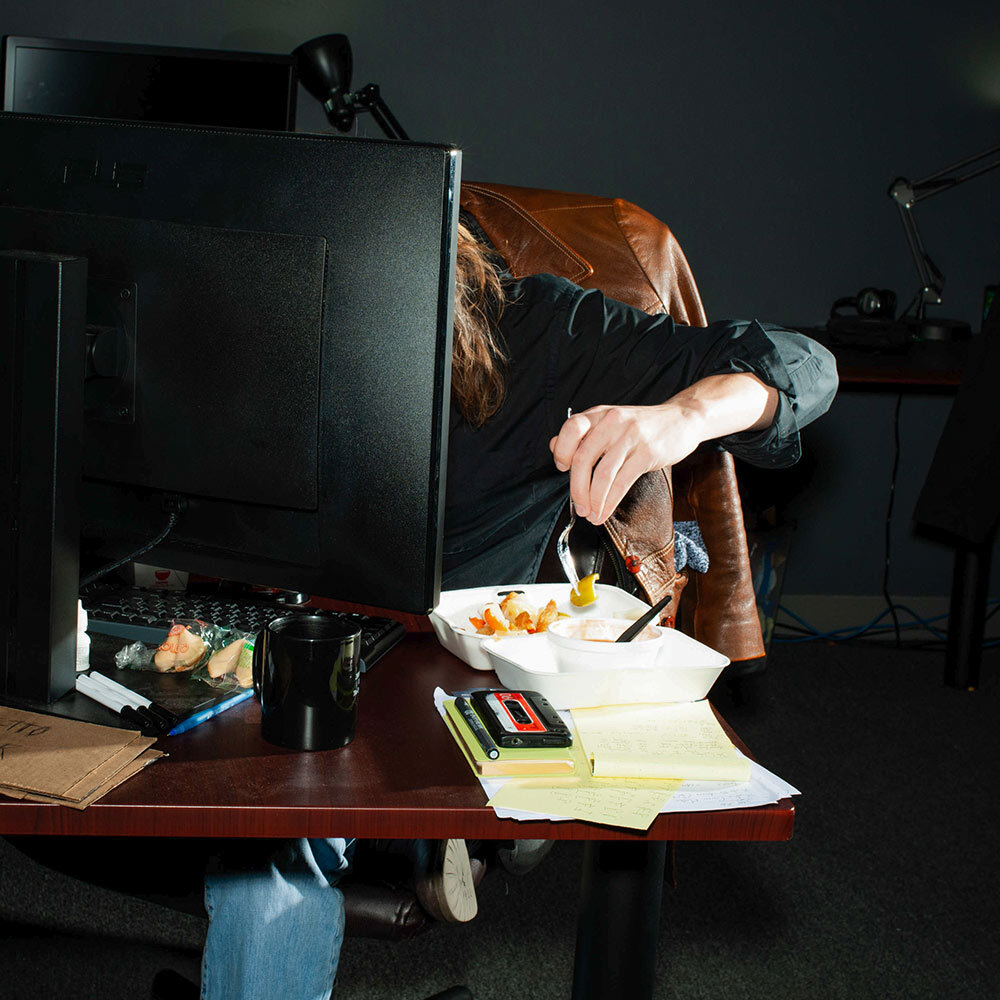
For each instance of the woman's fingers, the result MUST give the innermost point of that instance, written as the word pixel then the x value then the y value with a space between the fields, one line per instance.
pixel 594 445
pixel 607 448
pixel 625 478
pixel 595 466
pixel 574 429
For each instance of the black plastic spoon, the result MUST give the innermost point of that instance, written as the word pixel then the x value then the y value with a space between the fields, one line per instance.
pixel 637 626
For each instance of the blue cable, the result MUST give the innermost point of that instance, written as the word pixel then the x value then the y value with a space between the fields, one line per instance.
pixel 854 631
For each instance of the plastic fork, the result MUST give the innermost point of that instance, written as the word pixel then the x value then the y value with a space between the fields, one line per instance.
pixel 562 548
pixel 562 542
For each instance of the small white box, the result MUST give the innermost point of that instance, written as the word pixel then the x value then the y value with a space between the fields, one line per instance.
pixel 158 578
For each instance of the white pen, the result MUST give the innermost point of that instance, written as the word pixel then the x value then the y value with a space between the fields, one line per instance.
pixel 92 689
pixel 132 697
pixel 129 697
pixel 149 712
pixel 139 717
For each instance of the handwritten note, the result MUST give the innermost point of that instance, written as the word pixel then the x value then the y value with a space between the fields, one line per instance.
pixel 632 804
pixel 681 740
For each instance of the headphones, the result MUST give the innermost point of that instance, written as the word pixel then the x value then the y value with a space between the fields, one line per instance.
pixel 873 303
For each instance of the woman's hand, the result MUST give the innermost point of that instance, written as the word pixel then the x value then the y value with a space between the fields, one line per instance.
pixel 607 448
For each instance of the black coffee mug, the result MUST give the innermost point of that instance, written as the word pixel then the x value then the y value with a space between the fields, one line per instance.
pixel 306 674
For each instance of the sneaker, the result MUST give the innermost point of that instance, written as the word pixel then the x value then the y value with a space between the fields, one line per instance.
pixel 446 890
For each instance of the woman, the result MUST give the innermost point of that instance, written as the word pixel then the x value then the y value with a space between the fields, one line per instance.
pixel 644 394
pixel 643 391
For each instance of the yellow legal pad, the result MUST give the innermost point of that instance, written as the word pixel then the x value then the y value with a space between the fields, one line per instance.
pixel 678 740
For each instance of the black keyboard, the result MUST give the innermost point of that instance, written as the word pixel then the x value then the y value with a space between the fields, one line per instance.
pixel 146 616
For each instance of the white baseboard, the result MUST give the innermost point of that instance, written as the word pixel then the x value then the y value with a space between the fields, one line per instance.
pixel 829 612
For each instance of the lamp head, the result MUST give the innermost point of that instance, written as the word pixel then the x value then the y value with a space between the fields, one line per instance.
pixel 324 66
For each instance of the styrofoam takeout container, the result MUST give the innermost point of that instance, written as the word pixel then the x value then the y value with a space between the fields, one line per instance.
pixel 450 619
pixel 685 670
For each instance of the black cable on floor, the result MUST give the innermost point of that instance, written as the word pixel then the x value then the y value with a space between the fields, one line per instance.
pixel 888 517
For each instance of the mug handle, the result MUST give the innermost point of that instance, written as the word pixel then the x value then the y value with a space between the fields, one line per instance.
pixel 259 648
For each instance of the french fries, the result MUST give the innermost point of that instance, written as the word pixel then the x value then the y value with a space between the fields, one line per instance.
pixel 514 616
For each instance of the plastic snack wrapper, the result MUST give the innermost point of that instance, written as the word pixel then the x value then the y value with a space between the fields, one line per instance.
pixel 221 657
pixel 230 663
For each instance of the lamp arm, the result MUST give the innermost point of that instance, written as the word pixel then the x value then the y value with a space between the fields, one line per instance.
pixel 906 193
pixel 931 279
pixel 941 181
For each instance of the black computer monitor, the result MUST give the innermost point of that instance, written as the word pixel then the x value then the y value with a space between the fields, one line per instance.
pixel 269 332
pixel 49 76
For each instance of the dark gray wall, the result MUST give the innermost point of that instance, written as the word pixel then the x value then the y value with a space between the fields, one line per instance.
pixel 764 134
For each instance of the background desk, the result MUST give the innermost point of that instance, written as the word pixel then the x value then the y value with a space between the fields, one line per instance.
pixel 930 367
pixel 924 365
pixel 401 777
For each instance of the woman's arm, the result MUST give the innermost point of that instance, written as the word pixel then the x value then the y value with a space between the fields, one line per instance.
pixel 607 448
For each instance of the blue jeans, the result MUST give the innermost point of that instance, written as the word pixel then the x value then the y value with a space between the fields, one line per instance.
pixel 277 930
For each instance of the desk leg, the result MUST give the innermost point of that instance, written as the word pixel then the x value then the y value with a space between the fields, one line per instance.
pixel 967 614
pixel 618 931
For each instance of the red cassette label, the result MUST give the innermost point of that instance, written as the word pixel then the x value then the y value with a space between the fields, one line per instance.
pixel 518 715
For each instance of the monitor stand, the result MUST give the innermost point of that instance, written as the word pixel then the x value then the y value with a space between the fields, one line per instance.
pixel 43 304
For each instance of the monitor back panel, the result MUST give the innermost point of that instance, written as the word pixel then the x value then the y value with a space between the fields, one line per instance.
pixel 283 305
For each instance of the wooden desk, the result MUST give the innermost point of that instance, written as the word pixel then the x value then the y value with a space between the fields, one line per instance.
pixel 924 366
pixel 401 777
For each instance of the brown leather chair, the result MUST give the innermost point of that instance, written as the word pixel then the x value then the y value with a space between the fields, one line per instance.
pixel 628 254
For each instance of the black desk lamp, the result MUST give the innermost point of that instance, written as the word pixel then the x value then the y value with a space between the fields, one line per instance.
pixel 324 66
pixel 906 193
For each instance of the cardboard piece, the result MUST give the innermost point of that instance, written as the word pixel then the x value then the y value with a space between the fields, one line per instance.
pixel 146 758
pixel 62 759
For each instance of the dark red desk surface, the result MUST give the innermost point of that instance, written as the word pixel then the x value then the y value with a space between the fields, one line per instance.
pixel 929 365
pixel 402 776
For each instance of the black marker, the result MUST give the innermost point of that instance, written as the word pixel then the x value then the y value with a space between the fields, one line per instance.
pixel 478 729
pixel 154 722
pixel 167 718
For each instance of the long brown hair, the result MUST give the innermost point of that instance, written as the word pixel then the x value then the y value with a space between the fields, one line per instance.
pixel 478 361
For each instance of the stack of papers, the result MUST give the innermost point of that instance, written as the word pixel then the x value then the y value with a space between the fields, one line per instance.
pixel 681 740
pixel 650 751
pixel 47 758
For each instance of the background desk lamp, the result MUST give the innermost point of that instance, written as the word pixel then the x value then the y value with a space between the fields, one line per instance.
pixel 324 66
pixel 906 193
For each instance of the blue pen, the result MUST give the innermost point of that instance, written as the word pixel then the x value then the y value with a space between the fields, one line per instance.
pixel 210 713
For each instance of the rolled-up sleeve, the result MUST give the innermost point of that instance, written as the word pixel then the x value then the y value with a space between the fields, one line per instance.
pixel 613 353
pixel 805 375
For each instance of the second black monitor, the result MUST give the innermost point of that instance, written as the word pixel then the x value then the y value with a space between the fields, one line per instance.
pixel 47 76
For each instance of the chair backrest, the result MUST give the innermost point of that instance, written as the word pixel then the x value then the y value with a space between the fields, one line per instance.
pixel 604 243
pixel 630 255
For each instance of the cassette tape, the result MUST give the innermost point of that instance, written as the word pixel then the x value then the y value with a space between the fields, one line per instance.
pixel 520 719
